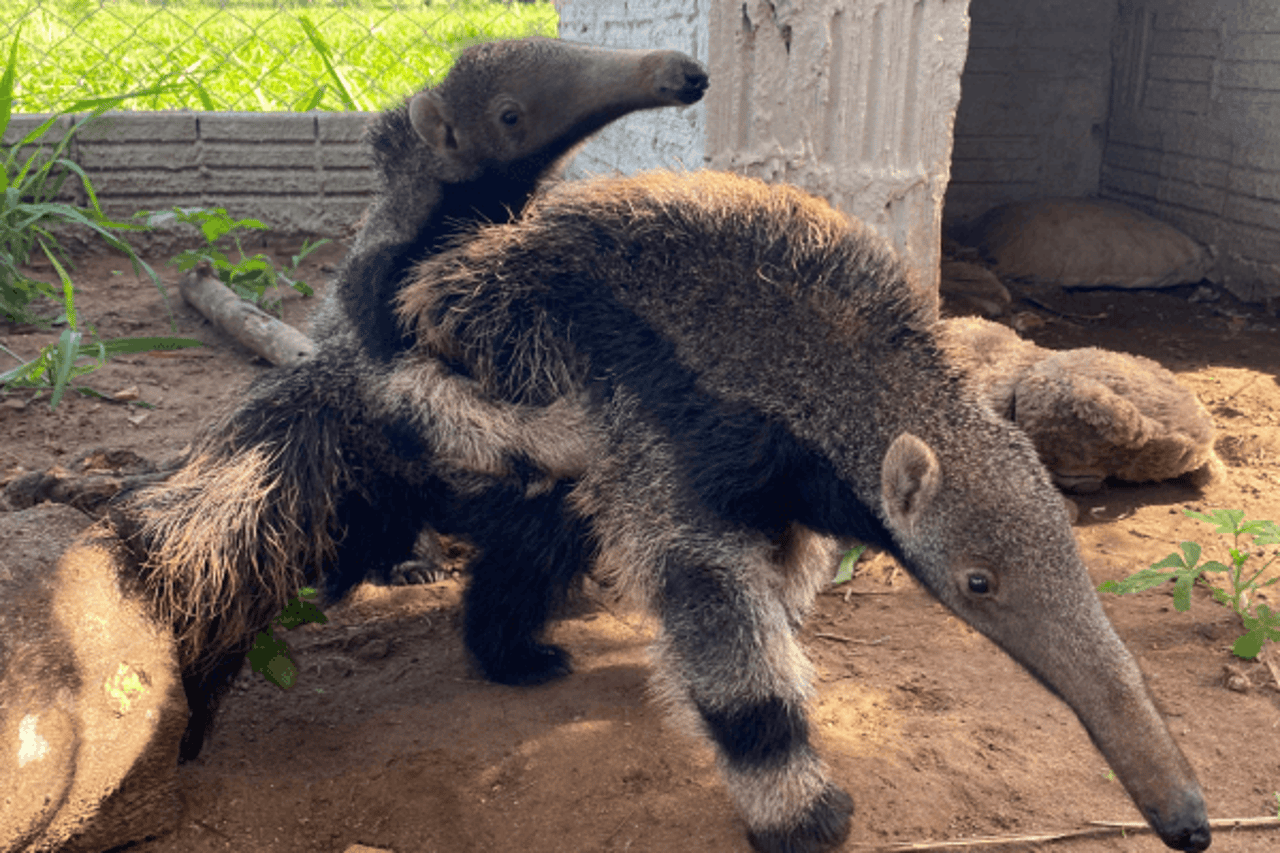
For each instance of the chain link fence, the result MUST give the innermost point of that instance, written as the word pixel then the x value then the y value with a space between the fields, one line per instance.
pixel 249 55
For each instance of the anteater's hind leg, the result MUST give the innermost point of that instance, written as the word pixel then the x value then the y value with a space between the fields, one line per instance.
pixel 728 654
pixel 531 550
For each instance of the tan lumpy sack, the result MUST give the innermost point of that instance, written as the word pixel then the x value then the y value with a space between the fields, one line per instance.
pixel 1086 243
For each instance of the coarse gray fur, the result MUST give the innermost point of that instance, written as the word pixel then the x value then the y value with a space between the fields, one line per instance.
pixel 746 375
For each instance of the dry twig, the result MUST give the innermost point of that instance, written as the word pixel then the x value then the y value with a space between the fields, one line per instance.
pixel 1096 828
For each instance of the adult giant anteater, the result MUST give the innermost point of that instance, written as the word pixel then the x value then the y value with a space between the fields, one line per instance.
pixel 722 375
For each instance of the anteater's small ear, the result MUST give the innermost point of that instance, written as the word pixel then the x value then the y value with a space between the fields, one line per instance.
pixel 909 479
pixel 430 118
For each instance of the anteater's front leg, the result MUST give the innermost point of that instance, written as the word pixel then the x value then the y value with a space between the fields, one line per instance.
pixel 729 655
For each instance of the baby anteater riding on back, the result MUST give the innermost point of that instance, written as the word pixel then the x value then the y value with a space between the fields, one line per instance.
pixel 746 374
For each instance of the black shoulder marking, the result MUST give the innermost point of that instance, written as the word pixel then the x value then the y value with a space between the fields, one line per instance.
pixel 404 439
pixel 370 301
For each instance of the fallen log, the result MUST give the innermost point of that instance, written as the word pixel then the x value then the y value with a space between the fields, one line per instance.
pixel 89 481
pixel 274 340
pixel 91 702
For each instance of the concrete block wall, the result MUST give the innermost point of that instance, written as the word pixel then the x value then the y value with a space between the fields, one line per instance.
pixel 297 172
pixel 1194 136
pixel 1034 101
pixel 670 139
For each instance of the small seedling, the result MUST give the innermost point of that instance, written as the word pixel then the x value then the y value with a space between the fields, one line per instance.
pixel 1186 570
pixel 252 275
pixel 844 573
pixel 270 655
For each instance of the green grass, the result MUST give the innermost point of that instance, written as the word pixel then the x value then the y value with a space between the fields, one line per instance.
pixel 238 55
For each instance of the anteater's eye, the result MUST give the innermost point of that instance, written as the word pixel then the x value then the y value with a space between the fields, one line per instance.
pixel 510 118
pixel 979 584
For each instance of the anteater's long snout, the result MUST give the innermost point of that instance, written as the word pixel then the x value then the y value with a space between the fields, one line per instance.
pixel 678 77
pixel 1095 674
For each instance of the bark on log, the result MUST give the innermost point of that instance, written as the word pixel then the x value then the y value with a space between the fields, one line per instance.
pixel 274 340
pixel 91 703
pixel 89 481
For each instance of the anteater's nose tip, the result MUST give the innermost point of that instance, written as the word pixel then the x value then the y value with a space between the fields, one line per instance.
pixel 1188 830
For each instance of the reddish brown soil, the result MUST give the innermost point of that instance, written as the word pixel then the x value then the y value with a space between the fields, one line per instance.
pixel 391 740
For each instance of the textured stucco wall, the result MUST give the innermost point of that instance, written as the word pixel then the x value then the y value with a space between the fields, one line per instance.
pixel 1034 101
pixel 1194 136
pixel 670 139
pixel 854 100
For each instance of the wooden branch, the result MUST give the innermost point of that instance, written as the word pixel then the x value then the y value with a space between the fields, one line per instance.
pixel 274 340
pixel 1096 828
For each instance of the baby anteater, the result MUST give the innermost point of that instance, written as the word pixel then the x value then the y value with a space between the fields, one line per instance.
pixel 741 374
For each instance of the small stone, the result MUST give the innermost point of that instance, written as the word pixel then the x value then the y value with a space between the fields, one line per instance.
pixel 1235 680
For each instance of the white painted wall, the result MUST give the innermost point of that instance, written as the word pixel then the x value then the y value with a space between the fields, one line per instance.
pixel 670 139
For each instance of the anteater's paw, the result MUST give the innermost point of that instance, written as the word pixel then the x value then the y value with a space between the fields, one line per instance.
pixel 416 573
pixel 823 827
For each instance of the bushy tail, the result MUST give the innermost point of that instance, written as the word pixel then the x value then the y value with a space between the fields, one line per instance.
pixel 222 545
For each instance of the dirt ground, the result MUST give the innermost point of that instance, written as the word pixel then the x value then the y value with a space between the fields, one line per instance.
pixel 391 740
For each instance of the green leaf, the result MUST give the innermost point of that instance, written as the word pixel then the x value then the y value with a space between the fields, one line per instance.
pixel 844 573
pixel 270 657
pixel 64 358
pixel 1173 561
pixel 6 83
pixel 1227 520
pixel 1192 552
pixel 1263 532
pixel 1182 592
pixel 300 613
pixel 1139 581
pixel 120 346
pixel 312 102
pixel 1250 644
pixel 323 49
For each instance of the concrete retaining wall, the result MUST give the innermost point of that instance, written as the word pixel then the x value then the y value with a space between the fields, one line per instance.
pixel 1194 136
pixel 1034 99
pixel 297 172
pixel 854 100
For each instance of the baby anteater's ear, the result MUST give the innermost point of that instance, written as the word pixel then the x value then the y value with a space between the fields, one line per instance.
pixel 909 479
pixel 429 115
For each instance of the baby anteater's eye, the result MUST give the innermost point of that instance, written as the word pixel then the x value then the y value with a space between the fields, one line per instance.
pixel 978 584
pixel 510 117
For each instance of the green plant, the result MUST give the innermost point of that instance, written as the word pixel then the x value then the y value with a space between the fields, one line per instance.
pixel 256 56
pixel 27 207
pixel 28 210
pixel 252 275
pixel 1186 570
pixel 270 655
